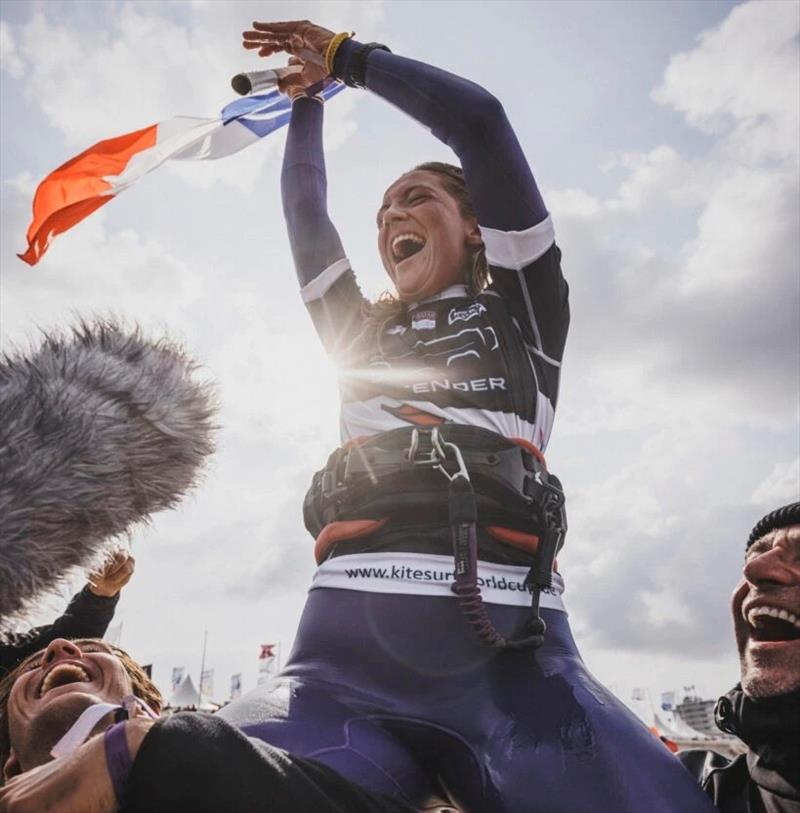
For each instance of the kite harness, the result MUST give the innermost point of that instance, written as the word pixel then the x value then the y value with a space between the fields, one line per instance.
pixel 452 474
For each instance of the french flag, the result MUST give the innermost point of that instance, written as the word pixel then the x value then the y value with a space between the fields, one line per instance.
pixel 90 180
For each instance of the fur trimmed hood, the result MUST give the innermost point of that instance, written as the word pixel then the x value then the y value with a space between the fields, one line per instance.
pixel 99 428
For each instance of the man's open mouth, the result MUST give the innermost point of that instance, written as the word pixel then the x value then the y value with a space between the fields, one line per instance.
pixel 772 624
pixel 406 245
pixel 62 675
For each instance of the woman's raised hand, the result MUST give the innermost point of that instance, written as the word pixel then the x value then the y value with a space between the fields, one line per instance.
pixel 292 38
pixel 303 40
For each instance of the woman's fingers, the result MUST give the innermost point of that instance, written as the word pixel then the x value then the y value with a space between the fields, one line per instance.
pixel 265 35
pixel 264 49
pixel 289 45
pixel 289 27
pixel 290 36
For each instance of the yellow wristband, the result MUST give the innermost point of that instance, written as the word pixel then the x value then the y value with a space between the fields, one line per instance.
pixel 333 47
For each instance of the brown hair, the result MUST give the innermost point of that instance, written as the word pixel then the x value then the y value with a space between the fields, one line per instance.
pixel 143 688
pixel 388 307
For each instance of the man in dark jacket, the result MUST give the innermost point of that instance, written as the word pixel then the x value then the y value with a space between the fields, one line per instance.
pixel 183 763
pixel 87 615
pixel 764 709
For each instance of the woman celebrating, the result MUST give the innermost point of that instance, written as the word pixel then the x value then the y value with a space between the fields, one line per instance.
pixel 455 375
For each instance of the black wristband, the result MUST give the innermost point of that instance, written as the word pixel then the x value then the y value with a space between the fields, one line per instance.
pixel 356 72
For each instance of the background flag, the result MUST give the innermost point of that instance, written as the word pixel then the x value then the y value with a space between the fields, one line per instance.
pixel 177 676
pixel 207 684
pixel 90 180
pixel 267 663
pixel 667 700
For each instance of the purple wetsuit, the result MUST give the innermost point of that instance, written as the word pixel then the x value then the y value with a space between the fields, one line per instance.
pixel 386 683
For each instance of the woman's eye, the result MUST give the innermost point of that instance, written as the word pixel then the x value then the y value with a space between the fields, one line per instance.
pixel 35 664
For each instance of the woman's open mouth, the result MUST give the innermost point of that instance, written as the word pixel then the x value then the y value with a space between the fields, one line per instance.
pixel 406 245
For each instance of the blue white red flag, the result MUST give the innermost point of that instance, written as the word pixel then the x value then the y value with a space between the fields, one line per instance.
pixel 89 180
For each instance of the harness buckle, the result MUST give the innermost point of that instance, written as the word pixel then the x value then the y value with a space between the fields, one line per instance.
pixel 437 455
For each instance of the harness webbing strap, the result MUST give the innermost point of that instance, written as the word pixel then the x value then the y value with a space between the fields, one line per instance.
pixel 463 527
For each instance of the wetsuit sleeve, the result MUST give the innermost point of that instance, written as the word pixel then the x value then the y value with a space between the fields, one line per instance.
pixel 328 286
pixel 197 763
pixel 86 616
pixel 524 263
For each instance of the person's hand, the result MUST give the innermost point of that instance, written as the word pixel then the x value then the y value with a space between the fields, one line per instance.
pixel 301 39
pixel 296 84
pixel 76 783
pixel 113 575
pixel 291 38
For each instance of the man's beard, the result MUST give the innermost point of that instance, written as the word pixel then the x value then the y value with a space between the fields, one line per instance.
pixel 760 680
pixel 49 726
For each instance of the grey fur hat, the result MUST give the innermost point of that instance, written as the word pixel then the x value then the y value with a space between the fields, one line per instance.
pixel 99 428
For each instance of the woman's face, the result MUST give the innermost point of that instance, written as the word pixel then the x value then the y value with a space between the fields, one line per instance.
pixel 425 243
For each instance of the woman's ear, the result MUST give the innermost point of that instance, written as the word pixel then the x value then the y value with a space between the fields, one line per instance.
pixel 12 767
pixel 474 238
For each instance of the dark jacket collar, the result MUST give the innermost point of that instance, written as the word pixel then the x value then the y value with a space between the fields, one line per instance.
pixel 770 727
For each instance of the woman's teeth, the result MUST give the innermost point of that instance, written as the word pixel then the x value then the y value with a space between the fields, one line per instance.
pixel 405 245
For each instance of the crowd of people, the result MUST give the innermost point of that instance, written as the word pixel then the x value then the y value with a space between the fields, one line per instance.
pixel 434 666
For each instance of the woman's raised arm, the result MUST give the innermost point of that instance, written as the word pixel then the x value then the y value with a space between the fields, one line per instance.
pixel 304 188
pixel 466 117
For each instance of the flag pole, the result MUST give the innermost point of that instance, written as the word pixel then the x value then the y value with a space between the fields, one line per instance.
pixel 203 665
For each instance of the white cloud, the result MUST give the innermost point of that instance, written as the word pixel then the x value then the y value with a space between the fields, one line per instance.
pixel 745 75
pixel 23 182
pixel 9 58
pixel 658 171
pixel 145 69
pixel 576 203
pixel 682 359
pixel 747 232
pixel 781 485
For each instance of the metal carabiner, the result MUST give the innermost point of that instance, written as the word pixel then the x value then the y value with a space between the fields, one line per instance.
pixel 441 446
pixel 411 452
pixel 437 455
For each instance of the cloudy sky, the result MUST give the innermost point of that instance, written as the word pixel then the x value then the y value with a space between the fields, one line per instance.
pixel 665 138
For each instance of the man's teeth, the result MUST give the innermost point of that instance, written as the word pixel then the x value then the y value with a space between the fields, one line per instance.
pixel 772 612
pixel 62 675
